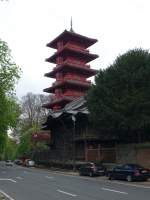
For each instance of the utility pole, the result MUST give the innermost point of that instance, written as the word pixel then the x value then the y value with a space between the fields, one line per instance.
pixel 73 142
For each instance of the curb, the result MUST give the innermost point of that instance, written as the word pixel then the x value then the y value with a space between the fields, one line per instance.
pixel 103 178
pixel 59 171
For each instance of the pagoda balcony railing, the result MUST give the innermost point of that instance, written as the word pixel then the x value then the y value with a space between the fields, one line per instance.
pixel 61 96
pixel 72 62
pixel 72 79
pixel 73 94
pixel 77 63
pixel 79 80
pixel 75 47
pixel 67 94
pixel 86 135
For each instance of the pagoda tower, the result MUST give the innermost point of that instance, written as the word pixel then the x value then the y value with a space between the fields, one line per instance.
pixel 71 68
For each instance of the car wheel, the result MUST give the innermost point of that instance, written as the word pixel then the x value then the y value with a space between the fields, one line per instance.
pixel 129 178
pixel 80 174
pixel 91 174
pixel 146 179
pixel 110 177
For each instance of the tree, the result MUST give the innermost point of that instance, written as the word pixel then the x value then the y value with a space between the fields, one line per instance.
pixel 32 111
pixel 9 109
pixel 9 71
pixel 26 146
pixel 31 119
pixel 120 99
pixel 10 149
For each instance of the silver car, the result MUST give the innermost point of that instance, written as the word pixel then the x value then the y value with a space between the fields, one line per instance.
pixel 9 163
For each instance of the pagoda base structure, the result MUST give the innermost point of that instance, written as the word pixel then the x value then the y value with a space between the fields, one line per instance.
pixel 70 127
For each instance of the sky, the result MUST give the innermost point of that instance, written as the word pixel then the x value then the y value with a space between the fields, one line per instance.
pixel 28 25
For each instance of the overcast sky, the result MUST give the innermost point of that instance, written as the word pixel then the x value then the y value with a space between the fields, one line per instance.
pixel 27 25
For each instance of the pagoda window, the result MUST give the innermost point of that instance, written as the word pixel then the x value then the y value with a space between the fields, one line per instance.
pixel 56 107
pixel 69 93
pixel 59 45
pixel 59 60
pixel 76 45
pixel 58 93
pixel 59 76
pixel 74 77
pixel 75 61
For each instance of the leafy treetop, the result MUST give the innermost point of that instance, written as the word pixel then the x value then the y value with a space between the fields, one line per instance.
pixel 120 99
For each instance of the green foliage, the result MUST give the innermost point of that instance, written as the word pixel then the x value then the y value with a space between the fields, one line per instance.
pixel 9 109
pixel 10 149
pixel 31 119
pixel 40 146
pixel 120 100
pixel 3 139
pixel 27 146
pixel 9 71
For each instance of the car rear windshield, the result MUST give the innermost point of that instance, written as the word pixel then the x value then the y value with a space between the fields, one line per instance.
pixel 135 166
pixel 98 165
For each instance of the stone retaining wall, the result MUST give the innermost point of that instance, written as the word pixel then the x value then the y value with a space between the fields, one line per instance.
pixel 133 153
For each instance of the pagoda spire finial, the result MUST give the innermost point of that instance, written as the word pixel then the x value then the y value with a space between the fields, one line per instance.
pixel 71 29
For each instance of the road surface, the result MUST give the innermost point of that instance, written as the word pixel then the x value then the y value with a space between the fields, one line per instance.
pixel 20 183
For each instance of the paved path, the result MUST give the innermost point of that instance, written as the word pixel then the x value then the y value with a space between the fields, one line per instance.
pixel 20 183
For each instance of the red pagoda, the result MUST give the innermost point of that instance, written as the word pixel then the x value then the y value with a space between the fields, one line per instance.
pixel 71 70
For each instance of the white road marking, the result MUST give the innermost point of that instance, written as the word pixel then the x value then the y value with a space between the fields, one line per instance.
pixel 70 175
pixel 8 179
pixel 133 185
pixel 101 180
pixel 18 177
pixel 107 189
pixel 73 195
pixel 26 172
pixel 104 180
pixel 6 195
pixel 50 177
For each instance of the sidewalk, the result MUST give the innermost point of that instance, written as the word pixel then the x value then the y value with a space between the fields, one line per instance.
pixel 59 170
pixel 98 178
pixel 103 178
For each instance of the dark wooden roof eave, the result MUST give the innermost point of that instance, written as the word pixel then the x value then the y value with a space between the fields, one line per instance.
pixel 67 82
pixel 83 70
pixel 66 51
pixel 69 35
pixel 60 101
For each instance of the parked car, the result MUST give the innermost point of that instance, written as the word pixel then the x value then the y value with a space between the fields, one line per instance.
pixel 129 172
pixel 18 162
pixel 92 169
pixel 9 163
pixel 29 163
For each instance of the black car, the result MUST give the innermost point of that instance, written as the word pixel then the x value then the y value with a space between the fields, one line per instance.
pixel 129 172
pixel 18 162
pixel 92 169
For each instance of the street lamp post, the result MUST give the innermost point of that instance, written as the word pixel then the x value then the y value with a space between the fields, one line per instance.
pixel 73 138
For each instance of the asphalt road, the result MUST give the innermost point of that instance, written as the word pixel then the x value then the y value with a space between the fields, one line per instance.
pixel 20 183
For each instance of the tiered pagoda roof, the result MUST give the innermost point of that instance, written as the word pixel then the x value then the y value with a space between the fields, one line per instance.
pixel 68 66
pixel 71 70
pixel 72 36
pixel 73 52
